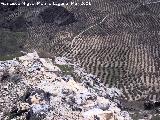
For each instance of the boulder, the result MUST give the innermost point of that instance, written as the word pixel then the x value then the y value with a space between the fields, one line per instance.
pixel 98 114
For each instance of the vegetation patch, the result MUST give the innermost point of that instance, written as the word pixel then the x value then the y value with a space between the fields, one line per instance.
pixel 66 69
pixel 11 43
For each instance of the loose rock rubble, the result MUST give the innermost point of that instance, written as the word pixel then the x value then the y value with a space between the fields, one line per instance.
pixel 33 88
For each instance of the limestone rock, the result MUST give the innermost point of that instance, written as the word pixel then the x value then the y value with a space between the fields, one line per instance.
pixel 98 114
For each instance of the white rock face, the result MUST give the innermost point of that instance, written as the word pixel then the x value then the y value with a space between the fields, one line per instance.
pixel 99 114
pixel 39 108
pixel 68 99
pixel 61 60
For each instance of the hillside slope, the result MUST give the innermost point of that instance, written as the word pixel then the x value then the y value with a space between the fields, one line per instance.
pixel 117 40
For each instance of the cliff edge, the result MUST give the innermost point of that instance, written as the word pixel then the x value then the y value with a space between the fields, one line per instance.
pixel 34 88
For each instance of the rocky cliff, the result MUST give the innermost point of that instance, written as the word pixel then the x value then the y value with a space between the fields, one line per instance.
pixel 34 88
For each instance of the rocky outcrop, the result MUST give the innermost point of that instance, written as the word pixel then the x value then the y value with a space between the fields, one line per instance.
pixel 42 91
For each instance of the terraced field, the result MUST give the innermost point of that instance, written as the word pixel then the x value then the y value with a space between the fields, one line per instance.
pixel 116 40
